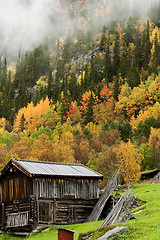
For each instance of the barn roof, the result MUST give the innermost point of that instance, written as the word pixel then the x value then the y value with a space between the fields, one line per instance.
pixel 52 169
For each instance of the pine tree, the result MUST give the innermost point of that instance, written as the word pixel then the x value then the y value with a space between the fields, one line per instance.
pixel 108 64
pixel 116 89
pixel 156 57
pixel 49 86
pixel 116 57
pixel 93 70
pixel 130 30
pixel 103 40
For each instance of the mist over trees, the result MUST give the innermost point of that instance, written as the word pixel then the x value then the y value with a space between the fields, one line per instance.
pixel 26 24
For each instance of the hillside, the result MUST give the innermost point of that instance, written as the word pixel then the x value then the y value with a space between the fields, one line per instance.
pixel 89 96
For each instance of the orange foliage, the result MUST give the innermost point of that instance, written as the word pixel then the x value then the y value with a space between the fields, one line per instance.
pixel 105 93
pixel 86 99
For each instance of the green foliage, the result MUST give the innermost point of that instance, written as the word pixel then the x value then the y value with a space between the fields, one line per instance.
pixel 126 131
pixel 143 128
pixel 76 132
pixel 147 161
pixel 37 132
pixel 87 133
pixel 105 127
pixel 5 137
pixel 114 125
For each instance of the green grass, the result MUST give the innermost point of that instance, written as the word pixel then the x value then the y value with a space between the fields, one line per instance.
pixel 52 234
pixel 146 227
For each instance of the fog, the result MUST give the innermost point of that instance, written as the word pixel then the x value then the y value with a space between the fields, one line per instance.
pixel 27 23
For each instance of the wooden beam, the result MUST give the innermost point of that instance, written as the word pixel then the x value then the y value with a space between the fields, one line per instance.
pixel 120 212
pixel 110 187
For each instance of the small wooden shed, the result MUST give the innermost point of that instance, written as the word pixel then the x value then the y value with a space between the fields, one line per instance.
pixel 33 192
pixel 65 234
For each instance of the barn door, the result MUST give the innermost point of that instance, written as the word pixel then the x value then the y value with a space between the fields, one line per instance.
pixel 72 214
pixel 45 212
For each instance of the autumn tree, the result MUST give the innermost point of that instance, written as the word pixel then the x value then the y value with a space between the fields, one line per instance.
pixel 154 143
pixel 43 149
pixel 106 163
pixel 32 116
pixel 129 160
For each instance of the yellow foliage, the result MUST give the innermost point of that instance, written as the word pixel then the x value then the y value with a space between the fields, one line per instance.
pixel 153 34
pixel 63 148
pixel 21 149
pixel 42 81
pixel 43 149
pixel 2 123
pixel 81 77
pixel 151 111
pixel 129 161
pixel 152 39
pixel 78 127
pixel 94 129
pixel 32 116
pixel 154 138
pixel 104 112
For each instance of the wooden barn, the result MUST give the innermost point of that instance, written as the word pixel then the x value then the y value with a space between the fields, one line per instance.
pixel 33 192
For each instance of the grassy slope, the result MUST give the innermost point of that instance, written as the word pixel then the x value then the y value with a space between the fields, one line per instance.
pixel 52 233
pixel 147 227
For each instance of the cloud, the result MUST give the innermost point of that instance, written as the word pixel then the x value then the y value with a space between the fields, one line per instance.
pixel 27 23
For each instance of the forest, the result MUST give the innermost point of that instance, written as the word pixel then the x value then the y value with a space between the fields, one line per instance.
pixel 92 98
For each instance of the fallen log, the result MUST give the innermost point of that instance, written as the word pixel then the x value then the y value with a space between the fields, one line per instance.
pixel 120 212
pixel 110 187
pixel 113 233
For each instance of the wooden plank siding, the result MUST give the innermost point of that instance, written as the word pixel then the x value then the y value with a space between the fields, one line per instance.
pixel 17 213
pixel 63 188
pixel 68 211
pixel 28 198
pixel 15 187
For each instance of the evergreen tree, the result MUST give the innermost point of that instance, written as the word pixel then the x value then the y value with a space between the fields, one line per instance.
pixel 116 57
pixel 103 40
pixel 116 90
pixel 130 31
pixel 49 86
pixel 156 56
pixel 108 64
pixel 93 70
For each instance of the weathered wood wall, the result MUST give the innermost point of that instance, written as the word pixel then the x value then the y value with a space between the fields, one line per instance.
pixel 17 213
pixel 15 187
pixel 68 211
pixel 27 201
pixel 62 188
